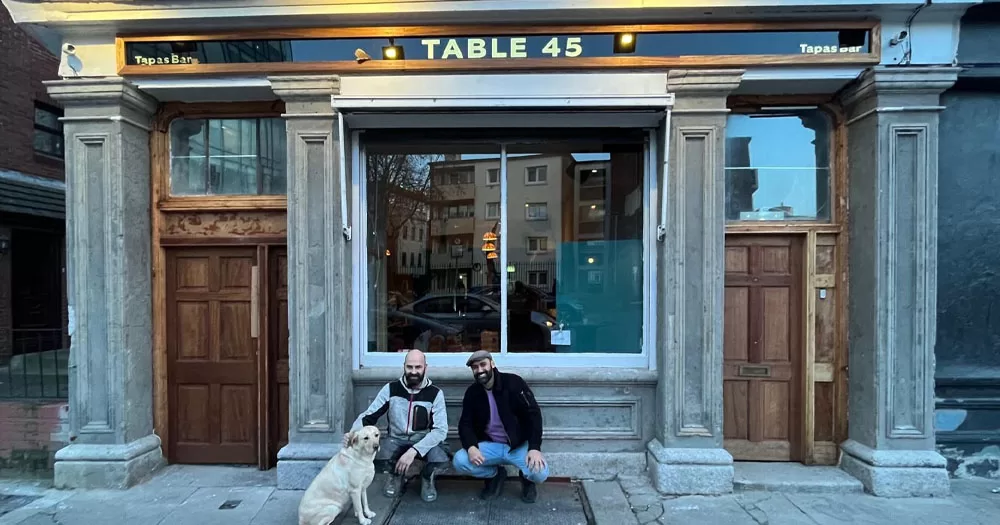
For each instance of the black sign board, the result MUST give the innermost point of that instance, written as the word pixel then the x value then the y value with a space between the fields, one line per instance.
pixel 483 49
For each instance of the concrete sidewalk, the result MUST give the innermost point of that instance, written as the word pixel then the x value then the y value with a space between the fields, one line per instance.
pixel 189 495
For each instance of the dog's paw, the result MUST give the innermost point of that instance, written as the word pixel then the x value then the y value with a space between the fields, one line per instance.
pixel 369 514
pixel 364 521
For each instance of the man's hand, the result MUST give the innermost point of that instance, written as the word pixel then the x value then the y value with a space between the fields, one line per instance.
pixel 405 461
pixel 347 439
pixel 536 462
pixel 475 456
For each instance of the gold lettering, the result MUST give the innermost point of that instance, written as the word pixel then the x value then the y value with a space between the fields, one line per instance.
pixel 429 43
pixel 517 47
pixel 451 49
pixel 477 48
pixel 174 59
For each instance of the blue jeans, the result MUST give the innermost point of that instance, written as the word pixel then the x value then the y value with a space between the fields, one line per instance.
pixel 496 454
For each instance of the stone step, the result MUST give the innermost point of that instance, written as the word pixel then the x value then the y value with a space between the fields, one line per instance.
pixel 793 477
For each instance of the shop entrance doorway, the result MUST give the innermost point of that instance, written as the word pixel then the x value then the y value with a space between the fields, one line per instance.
pixel 763 348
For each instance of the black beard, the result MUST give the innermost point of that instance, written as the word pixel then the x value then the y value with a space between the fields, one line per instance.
pixel 414 380
pixel 484 377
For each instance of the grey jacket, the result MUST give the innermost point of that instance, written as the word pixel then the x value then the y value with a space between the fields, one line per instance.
pixel 414 414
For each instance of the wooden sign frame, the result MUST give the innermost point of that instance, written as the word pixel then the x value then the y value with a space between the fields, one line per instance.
pixel 872 57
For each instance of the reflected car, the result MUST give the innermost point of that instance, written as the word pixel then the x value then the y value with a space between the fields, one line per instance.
pixel 477 314
pixel 408 330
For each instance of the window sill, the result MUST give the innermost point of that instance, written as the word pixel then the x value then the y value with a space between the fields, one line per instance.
pixel 547 375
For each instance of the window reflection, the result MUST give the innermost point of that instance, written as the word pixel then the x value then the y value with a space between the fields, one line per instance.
pixel 228 157
pixel 778 166
pixel 571 251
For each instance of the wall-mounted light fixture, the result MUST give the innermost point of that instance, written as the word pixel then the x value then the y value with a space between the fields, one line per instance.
pixel 4 245
pixel 625 43
pixel 393 52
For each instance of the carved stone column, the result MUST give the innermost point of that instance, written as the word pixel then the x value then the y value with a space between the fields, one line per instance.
pixel 687 457
pixel 893 157
pixel 319 290
pixel 112 444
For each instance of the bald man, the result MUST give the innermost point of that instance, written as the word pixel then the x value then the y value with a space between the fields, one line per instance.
pixel 418 426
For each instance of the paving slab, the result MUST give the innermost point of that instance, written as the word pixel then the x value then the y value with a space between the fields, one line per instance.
pixel 705 510
pixel 458 503
pixel 864 509
pixel 608 503
pixel 281 507
pixel 221 506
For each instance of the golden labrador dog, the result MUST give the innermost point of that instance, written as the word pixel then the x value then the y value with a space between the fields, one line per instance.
pixel 345 478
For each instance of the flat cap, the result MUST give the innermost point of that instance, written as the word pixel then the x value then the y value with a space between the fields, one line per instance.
pixel 478 355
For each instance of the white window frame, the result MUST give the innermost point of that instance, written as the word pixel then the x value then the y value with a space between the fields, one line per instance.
pixel 527 245
pixel 535 273
pixel 490 215
pixel 488 181
pixel 654 176
pixel 540 205
pixel 542 167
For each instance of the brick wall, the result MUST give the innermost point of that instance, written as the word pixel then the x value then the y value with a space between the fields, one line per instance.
pixel 30 434
pixel 26 63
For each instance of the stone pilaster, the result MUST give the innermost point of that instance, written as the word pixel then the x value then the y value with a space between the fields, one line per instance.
pixel 687 457
pixel 319 291
pixel 112 444
pixel 893 157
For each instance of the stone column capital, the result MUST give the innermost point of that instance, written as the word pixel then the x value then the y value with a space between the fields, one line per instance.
pixel 304 88
pixel 720 81
pixel 920 84
pixel 106 91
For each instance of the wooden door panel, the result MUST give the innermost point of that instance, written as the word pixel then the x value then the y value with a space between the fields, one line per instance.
pixel 762 347
pixel 212 356
pixel 278 330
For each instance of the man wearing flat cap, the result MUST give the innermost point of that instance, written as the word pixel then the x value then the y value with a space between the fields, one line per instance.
pixel 501 424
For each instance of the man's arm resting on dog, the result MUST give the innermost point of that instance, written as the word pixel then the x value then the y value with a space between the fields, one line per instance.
pixel 439 414
pixel 376 410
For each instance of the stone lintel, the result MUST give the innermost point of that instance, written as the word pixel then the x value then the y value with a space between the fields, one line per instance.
pixel 702 89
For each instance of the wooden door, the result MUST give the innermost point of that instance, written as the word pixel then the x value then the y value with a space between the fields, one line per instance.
pixel 763 348
pixel 277 326
pixel 212 355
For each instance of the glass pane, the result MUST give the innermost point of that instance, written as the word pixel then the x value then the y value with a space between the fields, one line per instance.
pixel 232 156
pixel 778 166
pixel 575 244
pixel 49 119
pixel 273 153
pixel 426 289
pixel 48 143
pixel 187 157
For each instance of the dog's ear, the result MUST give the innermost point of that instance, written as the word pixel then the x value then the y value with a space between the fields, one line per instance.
pixel 353 440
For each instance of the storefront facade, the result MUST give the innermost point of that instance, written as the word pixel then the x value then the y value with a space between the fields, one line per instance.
pixel 259 221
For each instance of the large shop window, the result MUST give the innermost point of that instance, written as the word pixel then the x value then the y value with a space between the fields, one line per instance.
pixel 228 156
pixel 570 260
pixel 778 165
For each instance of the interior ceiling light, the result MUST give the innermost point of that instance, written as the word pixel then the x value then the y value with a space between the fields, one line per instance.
pixel 625 43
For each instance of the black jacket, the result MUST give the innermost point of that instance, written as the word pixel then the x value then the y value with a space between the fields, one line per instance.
pixel 521 416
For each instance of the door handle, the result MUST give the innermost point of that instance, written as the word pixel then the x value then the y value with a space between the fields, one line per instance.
pixel 254 301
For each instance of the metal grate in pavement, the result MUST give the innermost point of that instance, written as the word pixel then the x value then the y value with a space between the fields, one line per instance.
pixel 458 503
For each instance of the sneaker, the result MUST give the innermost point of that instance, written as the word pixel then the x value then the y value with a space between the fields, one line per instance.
pixel 428 492
pixel 494 485
pixel 529 492
pixel 391 486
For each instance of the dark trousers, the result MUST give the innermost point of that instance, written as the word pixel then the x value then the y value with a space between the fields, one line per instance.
pixel 392 449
